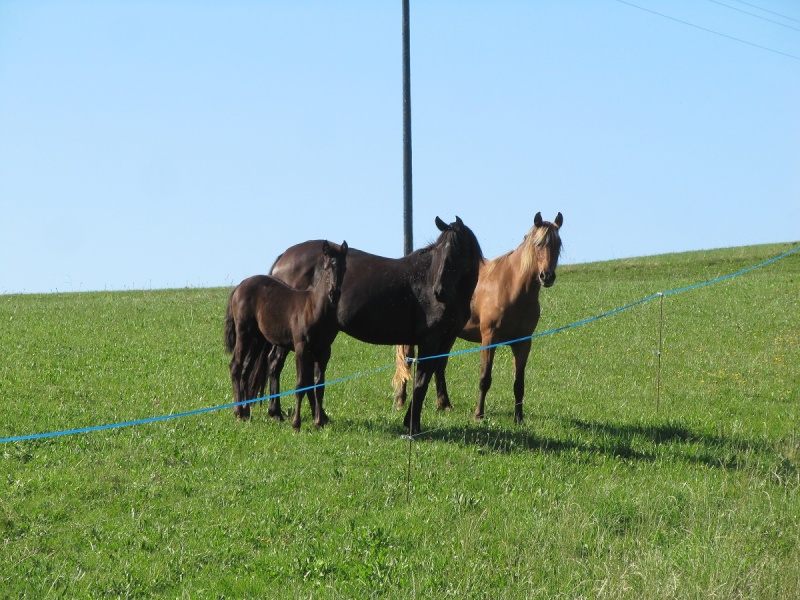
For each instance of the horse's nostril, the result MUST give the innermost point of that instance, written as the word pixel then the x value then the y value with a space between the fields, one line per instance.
pixel 547 278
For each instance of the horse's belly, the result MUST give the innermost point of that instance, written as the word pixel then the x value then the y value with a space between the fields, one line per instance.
pixel 373 333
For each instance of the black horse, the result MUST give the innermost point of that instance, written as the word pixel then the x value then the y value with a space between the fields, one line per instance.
pixel 421 299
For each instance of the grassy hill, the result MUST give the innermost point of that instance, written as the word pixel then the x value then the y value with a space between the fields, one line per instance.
pixel 600 493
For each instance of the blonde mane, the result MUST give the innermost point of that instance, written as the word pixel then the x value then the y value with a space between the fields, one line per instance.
pixel 545 235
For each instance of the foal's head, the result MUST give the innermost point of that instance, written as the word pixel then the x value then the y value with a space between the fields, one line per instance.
pixel 458 257
pixel 334 264
pixel 543 247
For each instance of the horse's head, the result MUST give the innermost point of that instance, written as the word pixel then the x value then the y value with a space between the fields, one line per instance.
pixel 457 258
pixel 545 244
pixel 334 265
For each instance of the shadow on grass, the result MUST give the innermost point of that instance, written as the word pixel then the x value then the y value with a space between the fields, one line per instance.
pixel 632 442
pixel 585 439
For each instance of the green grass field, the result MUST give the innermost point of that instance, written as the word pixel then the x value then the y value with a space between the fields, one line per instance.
pixel 597 495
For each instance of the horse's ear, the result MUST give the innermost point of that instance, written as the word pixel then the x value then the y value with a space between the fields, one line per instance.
pixel 559 220
pixel 441 225
pixel 459 222
pixel 344 248
pixel 537 220
pixel 326 248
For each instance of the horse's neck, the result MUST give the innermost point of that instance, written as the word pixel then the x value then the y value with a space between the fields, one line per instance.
pixel 522 282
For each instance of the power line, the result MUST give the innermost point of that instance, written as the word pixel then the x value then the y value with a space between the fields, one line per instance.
pixel 730 37
pixel 769 11
pixel 753 15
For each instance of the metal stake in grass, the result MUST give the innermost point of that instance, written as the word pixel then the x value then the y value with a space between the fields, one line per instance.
pixel 660 342
pixel 410 430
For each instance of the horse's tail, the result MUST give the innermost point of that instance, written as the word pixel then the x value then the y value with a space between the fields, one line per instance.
pixel 230 327
pixel 402 372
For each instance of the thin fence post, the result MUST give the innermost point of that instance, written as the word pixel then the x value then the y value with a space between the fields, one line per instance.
pixel 660 344
pixel 410 430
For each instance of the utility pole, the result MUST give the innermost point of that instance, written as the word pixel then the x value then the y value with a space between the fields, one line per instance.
pixel 408 222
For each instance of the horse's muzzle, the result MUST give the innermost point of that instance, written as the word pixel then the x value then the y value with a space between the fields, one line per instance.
pixel 547 278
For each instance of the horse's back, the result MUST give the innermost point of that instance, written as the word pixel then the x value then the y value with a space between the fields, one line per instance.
pixel 298 264
pixel 263 292
pixel 380 299
pixel 375 289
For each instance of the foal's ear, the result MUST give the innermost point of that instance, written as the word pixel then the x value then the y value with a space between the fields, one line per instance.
pixel 559 221
pixel 537 220
pixel 344 248
pixel 459 222
pixel 441 225
pixel 326 248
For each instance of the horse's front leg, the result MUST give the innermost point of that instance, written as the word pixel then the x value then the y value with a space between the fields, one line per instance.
pixel 320 365
pixel 425 370
pixel 442 397
pixel 521 352
pixel 485 382
pixel 304 363
pixel 277 357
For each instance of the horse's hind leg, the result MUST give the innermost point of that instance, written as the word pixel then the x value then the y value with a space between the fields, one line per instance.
pixel 238 378
pixel 277 357
pixel 258 368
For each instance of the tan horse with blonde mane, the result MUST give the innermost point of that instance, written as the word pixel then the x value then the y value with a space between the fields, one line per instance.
pixel 504 307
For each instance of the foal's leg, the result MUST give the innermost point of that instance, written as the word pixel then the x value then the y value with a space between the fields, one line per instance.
pixel 277 357
pixel 485 382
pixel 236 377
pixel 259 368
pixel 304 363
pixel 320 366
pixel 254 370
pixel 245 381
pixel 521 352
pixel 238 370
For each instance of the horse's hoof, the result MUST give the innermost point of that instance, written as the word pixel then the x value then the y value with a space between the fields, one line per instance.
pixel 477 417
pixel 276 416
pixel 446 406
pixel 399 403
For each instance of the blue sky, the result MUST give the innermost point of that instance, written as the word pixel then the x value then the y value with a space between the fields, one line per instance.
pixel 153 144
